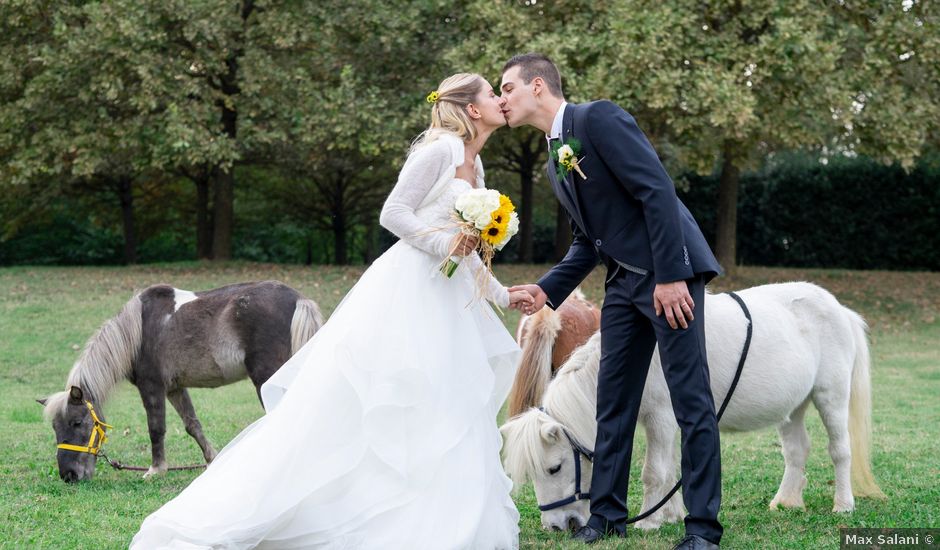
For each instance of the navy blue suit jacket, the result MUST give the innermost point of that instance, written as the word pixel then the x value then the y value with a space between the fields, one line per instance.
pixel 626 209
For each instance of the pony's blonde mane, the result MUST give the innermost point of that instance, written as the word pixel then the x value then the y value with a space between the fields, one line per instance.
pixel 106 360
pixel 570 401
pixel 571 398
pixel 535 366
pixel 522 451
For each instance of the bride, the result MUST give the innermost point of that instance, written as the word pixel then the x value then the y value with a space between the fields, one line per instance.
pixel 381 431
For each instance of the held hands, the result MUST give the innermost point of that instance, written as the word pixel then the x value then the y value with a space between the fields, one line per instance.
pixel 463 244
pixel 674 299
pixel 536 295
pixel 520 299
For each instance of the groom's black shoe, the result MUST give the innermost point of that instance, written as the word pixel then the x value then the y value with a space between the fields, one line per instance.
pixel 590 535
pixel 695 542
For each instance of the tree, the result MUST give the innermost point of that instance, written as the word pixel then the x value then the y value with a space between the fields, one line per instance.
pixel 719 84
pixel 896 116
pixel 74 117
pixel 299 89
pixel 360 105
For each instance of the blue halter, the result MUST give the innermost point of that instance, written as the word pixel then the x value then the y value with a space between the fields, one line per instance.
pixel 578 451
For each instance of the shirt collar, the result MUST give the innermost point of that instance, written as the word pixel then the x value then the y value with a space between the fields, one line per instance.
pixel 557 123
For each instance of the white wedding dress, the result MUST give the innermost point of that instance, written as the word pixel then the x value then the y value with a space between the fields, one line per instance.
pixel 380 433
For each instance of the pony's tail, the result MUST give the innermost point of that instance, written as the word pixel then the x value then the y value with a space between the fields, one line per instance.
pixel 535 367
pixel 306 322
pixel 863 480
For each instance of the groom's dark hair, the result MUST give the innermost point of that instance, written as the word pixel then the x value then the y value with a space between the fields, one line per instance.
pixel 536 64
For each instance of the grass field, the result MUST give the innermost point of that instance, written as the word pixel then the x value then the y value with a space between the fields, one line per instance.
pixel 47 314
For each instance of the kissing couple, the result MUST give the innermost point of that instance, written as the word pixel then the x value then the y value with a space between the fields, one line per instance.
pixel 380 433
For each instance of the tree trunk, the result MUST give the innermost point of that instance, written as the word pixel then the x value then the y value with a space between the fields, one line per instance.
pixel 126 193
pixel 203 220
pixel 525 218
pixel 309 259
pixel 370 252
pixel 339 239
pixel 223 208
pixel 727 215
pixel 523 158
pixel 562 233
pixel 223 220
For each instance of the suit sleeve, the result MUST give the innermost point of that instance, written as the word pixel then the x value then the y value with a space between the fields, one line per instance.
pixel 577 264
pixel 630 157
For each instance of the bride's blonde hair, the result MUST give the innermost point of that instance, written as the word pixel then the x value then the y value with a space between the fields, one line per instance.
pixel 449 111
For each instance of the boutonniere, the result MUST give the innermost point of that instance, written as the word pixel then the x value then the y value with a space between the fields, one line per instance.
pixel 565 155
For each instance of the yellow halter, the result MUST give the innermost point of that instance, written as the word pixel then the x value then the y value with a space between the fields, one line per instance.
pixel 98 433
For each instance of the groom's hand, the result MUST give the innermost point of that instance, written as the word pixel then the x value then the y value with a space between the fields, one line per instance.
pixel 538 298
pixel 674 300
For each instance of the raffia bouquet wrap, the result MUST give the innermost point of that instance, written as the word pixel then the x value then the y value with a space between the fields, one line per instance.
pixel 489 215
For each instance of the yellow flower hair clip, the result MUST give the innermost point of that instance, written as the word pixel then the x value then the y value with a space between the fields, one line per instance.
pixel 433 96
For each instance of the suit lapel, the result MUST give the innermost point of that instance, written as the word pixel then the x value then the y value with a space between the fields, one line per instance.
pixel 561 189
pixel 567 132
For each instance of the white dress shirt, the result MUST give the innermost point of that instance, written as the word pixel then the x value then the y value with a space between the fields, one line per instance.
pixel 558 122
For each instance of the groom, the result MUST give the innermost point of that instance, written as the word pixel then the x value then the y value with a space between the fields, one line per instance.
pixel 625 214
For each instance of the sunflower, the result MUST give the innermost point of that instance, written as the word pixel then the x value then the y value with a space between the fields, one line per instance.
pixel 501 215
pixel 506 205
pixel 495 232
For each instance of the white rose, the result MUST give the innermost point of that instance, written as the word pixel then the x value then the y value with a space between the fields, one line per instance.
pixel 477 205
pixel 464 203
pixel 565 152
pixel 513 226
pixel 483 220
pixel 491 197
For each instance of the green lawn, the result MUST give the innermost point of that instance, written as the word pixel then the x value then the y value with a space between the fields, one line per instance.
pixel 46 314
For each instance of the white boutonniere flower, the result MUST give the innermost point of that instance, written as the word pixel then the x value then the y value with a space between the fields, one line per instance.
pixel 566 155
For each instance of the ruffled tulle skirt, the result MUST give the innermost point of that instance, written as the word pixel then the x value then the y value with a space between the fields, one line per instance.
pixel 379 433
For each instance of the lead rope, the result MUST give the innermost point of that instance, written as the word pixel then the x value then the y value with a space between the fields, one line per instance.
pixel 721 411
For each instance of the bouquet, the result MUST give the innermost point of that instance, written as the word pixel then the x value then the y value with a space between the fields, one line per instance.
pixel 489 215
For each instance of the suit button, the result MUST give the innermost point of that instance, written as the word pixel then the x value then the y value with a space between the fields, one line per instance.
pixel 598 242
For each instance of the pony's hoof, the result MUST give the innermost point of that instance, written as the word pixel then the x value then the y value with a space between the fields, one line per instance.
pixel 648 524
pixel 843 507
pixel 778 503
pixel 152 472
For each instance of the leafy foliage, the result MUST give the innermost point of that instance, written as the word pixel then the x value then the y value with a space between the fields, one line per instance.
pixel 855 214
pixel 311 105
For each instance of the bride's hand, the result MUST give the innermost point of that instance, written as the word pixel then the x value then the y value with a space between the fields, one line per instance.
pixel 463 244
pixel 519 298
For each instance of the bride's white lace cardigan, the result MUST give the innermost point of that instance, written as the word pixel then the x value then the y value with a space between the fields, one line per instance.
pixel 423 200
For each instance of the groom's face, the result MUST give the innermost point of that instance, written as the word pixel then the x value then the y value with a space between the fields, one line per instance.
pixel 519 101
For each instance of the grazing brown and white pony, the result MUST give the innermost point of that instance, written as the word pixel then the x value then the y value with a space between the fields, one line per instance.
pixel 806 347
pixel 547 339
pixel 165 340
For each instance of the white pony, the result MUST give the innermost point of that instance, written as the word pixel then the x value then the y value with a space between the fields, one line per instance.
pixel 805 347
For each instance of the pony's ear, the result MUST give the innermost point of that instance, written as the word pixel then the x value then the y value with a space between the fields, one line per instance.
pixel 76 395
pixel 551 432
pixel 42 401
